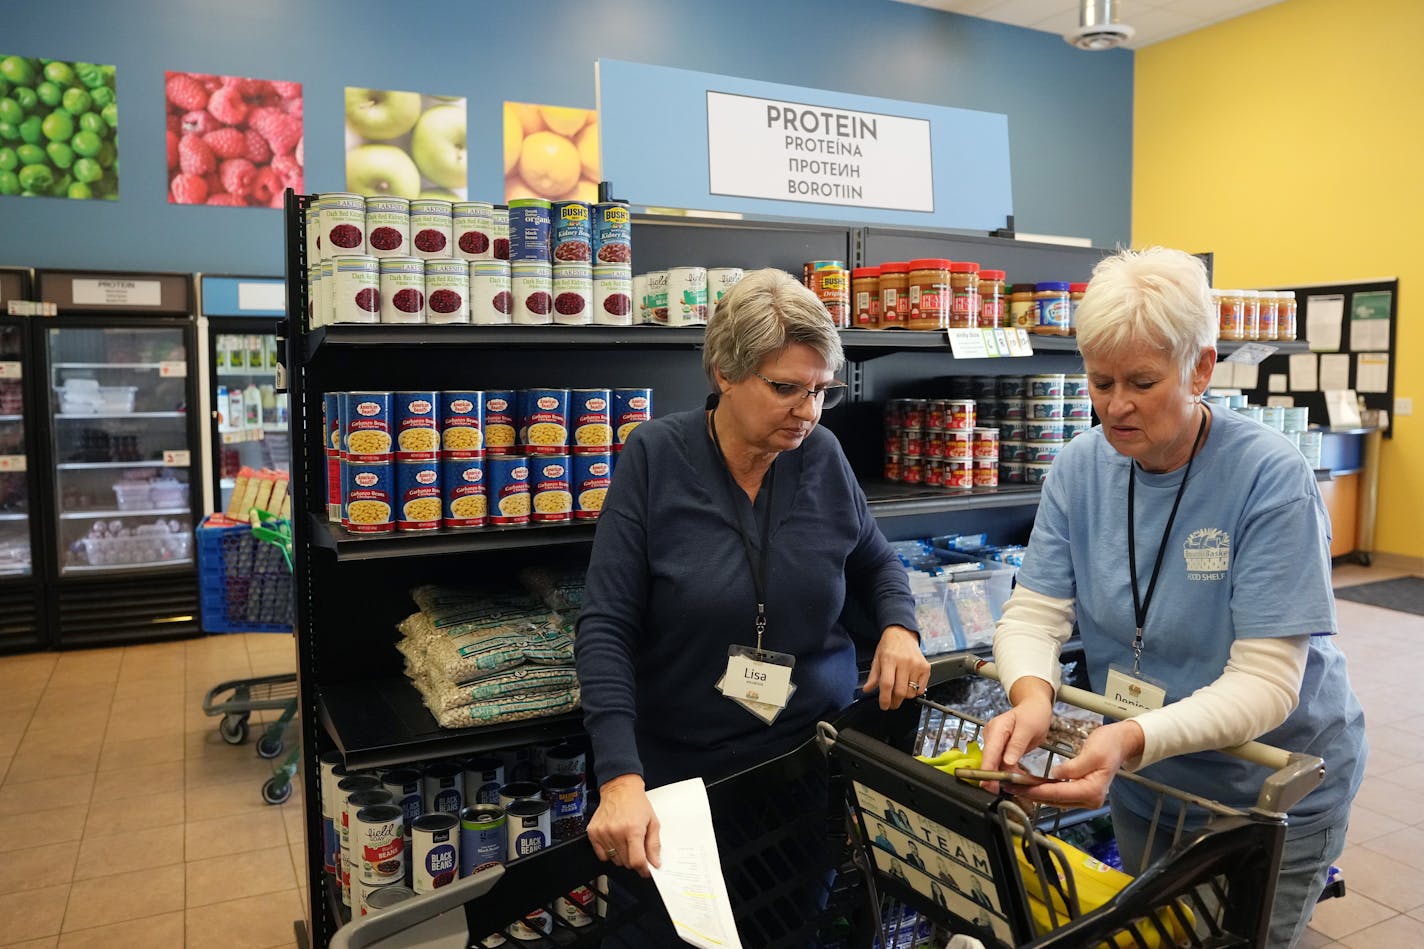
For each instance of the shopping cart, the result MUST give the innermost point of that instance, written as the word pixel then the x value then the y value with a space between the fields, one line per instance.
pixel 254 565
pixel 797 838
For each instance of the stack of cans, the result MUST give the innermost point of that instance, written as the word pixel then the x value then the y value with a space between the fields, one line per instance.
pixel 939 443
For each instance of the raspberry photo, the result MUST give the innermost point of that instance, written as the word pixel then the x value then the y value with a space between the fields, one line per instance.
pixel 385 238
pixel 429 241
pixel 444 301
pixel 474 242
pixel 238 140
pixel 409 300
pixel 369 300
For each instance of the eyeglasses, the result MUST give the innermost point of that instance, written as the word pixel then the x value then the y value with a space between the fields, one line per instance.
pixel 791 393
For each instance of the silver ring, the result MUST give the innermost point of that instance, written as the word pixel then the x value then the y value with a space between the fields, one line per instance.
pixel 914 686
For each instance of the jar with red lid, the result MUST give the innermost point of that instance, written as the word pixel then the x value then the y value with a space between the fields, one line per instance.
pixel 1054 312
pixel 930 294
pixel 865 297
pixel 894 295
pixel 1075 296
pixel 964 294
pixel 993 305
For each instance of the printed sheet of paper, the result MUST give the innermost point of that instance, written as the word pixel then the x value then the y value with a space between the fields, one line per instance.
pixel 1372 372
pixel 1334 371
pixel 1369 322
pixel 1303 372
pixel 690 879
pixel 1276 382
pixel 1323 322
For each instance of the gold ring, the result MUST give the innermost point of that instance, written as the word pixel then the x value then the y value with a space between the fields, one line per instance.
pixel 914 686
pixel 612 853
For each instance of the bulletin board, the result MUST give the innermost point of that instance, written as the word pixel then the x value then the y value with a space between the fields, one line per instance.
pixel 1363 356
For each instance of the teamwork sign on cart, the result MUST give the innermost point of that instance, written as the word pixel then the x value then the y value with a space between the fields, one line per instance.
pixel 697 140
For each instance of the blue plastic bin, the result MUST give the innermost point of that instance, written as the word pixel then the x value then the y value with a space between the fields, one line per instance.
pixel 246 586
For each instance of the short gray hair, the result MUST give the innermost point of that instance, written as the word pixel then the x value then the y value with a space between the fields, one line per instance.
pixel 763 313
pixel 1156 296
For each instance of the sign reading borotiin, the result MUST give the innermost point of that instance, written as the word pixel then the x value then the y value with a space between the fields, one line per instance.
pixel 797 151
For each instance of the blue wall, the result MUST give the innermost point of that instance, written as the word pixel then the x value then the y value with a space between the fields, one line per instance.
pixel 1070 113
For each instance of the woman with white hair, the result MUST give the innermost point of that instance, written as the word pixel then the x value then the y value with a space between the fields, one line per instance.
pixel 1192 548
pixel 727 543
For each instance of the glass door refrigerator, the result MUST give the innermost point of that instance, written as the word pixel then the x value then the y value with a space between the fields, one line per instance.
pixel 121 447
pixel 246 415
pixel 24 624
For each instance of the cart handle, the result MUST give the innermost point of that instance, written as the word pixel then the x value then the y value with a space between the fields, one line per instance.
pixel 1294 775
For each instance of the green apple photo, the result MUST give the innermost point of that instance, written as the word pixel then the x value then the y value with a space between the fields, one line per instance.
pixel 405 144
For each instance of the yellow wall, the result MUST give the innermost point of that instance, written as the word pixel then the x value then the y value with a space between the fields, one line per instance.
pixel 1289 142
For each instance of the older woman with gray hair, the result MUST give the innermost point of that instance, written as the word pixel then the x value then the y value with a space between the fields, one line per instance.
pixel 709 639
pixel 1192 548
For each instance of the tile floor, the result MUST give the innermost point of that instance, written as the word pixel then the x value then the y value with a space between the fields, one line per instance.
pixel 128 822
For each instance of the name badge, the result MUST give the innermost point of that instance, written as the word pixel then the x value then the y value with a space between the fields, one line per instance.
pixel 1133 693
pixel 758 678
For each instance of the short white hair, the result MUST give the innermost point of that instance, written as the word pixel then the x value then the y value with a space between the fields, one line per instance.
pixel 764 312
pixel 1159 297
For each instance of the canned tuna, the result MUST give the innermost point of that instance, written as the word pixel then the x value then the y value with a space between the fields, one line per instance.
pixel 508 489
pixel 463 491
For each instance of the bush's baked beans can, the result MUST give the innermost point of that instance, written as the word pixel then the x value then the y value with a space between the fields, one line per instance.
pixel 380 843
pixel 1044 430
pixel 986 443
pixel 387 225
pixel 444 787
pixel 462 485
pixel 343 224
pixel 532 284
pixel 431 222
pixel 508 479
pixel 351 858
pixel 686 296
pixel 544 421
pixel 613 295
pixel 369 496
pixel 549 495
pixel 612 234
pixel 958 473
pixel 631 408
pixel 483 779
pixel 572 286
pixel 366 426
pixel 501 419
pixel 434 851
pixel 565 796
pixel 419 502
pixel 329 763
pixel 483 838
pixel 355 289
pixel 331 418
pixel 592 475
pixel 383 898
pixel 415 425
pixel 528 826
pixel 986 472
pixel 447 291
pixel 491 294
pixel 572 225
pixel 934 472
pixel 529 227
pixel 407 793
pixel 460 418
pixel 473 230
pixel 1041 409
pixel 402 290
pixel 590 420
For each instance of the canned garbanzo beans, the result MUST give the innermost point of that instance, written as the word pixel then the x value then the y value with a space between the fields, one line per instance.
pixel 500 419
pixel 366 426
pixel 550 497
pixel 462 423
pixel 418 495
pixel 367 497
pixel 631 408
pixel 417 437
pixel 591 476
pixel 463 492
pixel 508 489
pixel 590 418
pixel 544 424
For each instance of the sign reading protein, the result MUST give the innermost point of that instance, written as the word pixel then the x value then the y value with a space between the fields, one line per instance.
pixel 795 151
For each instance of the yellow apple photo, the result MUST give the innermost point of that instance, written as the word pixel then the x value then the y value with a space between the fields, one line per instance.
pixel 550 152
pixel 406 144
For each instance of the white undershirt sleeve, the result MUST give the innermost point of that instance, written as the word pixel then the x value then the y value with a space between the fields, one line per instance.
pixel 1029 636
pixel 1257 690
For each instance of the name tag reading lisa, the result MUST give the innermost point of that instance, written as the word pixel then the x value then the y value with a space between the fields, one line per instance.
pixel 1133 692
pixel 758 676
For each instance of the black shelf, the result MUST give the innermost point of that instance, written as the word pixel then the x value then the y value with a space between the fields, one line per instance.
pixel 889 499
pixel 380 722
pixel 468 335
pixel 350 546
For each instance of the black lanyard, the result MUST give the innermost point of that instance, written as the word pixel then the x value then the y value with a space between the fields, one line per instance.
pixel 760 566
pixel 1139 605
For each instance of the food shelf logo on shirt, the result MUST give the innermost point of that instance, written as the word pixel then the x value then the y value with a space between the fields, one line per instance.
pixel 1208 554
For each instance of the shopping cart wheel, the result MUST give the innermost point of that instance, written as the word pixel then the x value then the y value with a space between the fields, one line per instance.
pixel 233 729
pixel 275 792
pixel 269 746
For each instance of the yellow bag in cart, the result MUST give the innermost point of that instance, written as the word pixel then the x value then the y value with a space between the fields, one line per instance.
pixel 1097 883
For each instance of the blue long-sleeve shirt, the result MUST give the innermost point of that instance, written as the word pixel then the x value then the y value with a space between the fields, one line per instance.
pixel 669 590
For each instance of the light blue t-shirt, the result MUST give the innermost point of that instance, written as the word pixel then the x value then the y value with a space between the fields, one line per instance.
pixel 1249 557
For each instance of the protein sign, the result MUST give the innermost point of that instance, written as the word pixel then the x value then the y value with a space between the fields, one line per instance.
pixel 795 151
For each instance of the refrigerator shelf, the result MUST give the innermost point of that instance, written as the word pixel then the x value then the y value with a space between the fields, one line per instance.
pixel 140 366
pixel 85 416
pixel 156 512
pixel 14 517
pixel 12 418
pixel 112 568
pixel 90 465
pixel 246 435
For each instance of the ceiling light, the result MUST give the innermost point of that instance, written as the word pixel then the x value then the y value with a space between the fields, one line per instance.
pixel 1098 27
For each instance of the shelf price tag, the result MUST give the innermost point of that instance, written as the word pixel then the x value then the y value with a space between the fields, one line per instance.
pixel 1251 354
pixel 11 370
pixel 173 369
pixel 966 344
pixel 991 343
pixel 1001 337
pixel 177 459
pixel 12 463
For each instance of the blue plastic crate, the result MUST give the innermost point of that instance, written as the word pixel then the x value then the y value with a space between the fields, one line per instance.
pixel 246 585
